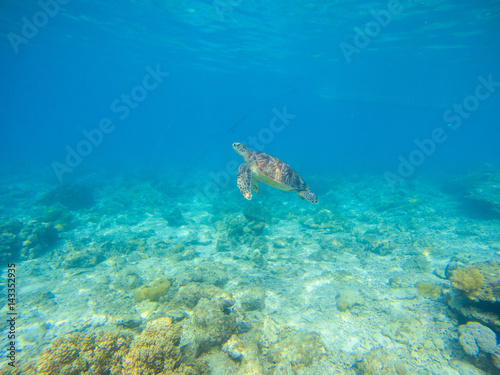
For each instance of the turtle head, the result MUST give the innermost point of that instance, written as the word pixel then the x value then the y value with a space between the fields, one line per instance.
pixel 241 150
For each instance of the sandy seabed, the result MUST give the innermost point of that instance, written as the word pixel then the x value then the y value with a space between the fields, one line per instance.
pixel 361 283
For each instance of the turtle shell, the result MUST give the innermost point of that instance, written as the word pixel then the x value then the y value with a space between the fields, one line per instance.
pixel 274 172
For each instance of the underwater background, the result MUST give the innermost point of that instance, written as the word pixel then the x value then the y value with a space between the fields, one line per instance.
pixel 134 251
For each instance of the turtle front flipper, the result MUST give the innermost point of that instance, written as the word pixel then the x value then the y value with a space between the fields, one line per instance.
pixel 255 185
pixel 245 180
pixel 309 195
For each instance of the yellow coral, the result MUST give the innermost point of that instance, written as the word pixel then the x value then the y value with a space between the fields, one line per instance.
pixel 155 350
pixel 428 290
pixel 469 281
pixel 59 356
pixel 153 292
pixel 85 353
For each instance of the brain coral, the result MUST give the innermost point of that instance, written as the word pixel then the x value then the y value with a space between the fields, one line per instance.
pixel 212 323
pixel 479 282
pixel 475 337
pixel 85 353
pixel 156 351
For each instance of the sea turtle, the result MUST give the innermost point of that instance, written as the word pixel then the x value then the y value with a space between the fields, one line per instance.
pixel 272 171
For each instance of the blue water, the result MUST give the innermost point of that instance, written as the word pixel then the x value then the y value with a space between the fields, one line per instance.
pixel 230 64
pixel 117 116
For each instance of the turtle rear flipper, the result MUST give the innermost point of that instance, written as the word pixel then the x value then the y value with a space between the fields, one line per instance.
pixel 309 195
pixel 255 185
pixel 245 180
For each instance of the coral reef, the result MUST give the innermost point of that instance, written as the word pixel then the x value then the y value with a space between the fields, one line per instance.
pixel 212 322
pixel 480 341
pixel 174 217
pixel 295 350
pixel 120 247
pixel 224 244
pixel 381 362
pixel 188 254
pixel 475 338
pixel 310 290
pixel 255 211
pixel 127 279
pixel 210 273
pixel 417 262
pixel 189 295
pixel 253 299
pixel 478 300
pixel 238 228
pixel 85 353
pixel 234 348
pixel 480 312
pixel 73 196
pixel 212 319
pixel 330 222
pixel 347 299
pixel 153 292
pixel 479 192
pixel 59 216
pixel 155 350
pixel 479 282
pixel 11 226
pixel 465 183
pixel 244 351
pixel 404 331
pixel 486 196
pixel 376 245
pixel 82 258
pixel 10 241
pixel 37 238
pixel 428 290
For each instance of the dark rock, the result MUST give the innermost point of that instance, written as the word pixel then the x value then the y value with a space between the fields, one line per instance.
pixel 10 247
pixel 479 282
pixel 190 294
pixel 73 196
pixel 188 254
pixel 485 197
pixel 213 326
pixel 59 215
pixel 10 241
pixel 479 193
pixel 210 273
pixel 484 313
pixel 83 259
pixel 37 238
pixel 476 293
pixel 174 218
pixel 450 267
pixel 253 299
pixel 295 350
pixel 254 211
pixel 376 245
pixel 224 245
pixel 127 279
pixel 11 226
